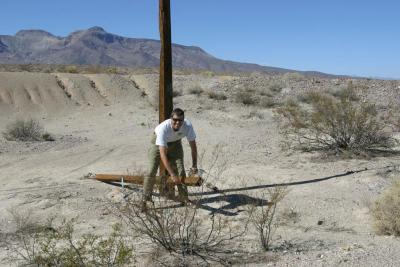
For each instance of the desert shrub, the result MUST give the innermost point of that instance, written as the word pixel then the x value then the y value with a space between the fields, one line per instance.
pixel 266 93
pixel 48 137
pixel 176 93
pixel 293 76
pixel 184 232
pixel 46 245
pixel 196 90
pixel 386 211
pixel 263 217
pixel 94 69
pixel 21 130
pixel 26 67
pixel 246 98
pixel 217 96
pixel 112 70
pixel 349 92
pixel 71 69
pixel 309 97
pixel 332 124
pixel 266 102
pixel 275 87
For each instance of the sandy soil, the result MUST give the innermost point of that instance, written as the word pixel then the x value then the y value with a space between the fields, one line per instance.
pixel 102 124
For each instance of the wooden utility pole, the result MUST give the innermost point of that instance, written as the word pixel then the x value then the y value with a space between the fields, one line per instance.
pixel 165 98
pixel 165 92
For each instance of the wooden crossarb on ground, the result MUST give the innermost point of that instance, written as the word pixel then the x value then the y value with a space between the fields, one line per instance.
pixel 192 180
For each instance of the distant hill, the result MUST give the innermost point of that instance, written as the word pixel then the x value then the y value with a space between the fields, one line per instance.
pixel 95 46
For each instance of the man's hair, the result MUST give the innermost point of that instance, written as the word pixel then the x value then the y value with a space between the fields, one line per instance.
pixel 178 112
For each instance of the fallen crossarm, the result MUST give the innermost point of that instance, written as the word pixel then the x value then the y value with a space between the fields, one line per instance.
pixel 193 180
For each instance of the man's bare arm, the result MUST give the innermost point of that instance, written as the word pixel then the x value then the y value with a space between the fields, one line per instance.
pixel 193 148
pixel 165 161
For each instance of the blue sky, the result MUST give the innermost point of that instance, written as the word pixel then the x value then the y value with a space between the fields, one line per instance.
pixel 351 37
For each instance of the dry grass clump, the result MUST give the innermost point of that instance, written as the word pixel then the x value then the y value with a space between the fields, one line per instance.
pixel 35 244
pixel 386 211
pixel 331 124
pixel 217 96
pixel 26 130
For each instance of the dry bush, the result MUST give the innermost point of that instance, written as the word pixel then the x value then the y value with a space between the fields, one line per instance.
pixel 112 70
pixel 293 76
pixel 196 90
pixel 263 217
pixel 45 245
pixel 176 93
pixel 184 232
pixel 71 69
pixel 29 130
pixel 331 124
pixel 349 92
pixel 267 102
pixel 246 98
pixel 187 233
pixel 275 87
pixel 386 211
pixel 217 96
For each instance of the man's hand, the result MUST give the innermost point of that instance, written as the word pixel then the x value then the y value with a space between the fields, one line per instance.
pixel 176 179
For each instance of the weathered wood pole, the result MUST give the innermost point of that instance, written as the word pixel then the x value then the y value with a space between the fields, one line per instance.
pixel 165 86
pixel 165 95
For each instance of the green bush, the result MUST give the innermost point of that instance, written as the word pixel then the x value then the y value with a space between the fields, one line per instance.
pixel 386 211
pixel 35 244
pixel 339 125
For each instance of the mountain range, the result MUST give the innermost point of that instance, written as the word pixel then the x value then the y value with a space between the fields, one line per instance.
pixel 95 46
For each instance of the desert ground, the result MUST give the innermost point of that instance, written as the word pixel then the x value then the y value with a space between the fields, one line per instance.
pixel 102 123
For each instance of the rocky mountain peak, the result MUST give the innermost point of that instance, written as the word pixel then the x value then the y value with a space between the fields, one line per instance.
pixel 33 33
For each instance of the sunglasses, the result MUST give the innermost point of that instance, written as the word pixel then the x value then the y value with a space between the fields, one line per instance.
pixel 177 119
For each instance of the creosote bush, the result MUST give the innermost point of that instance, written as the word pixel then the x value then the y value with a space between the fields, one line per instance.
pixel 332 124
pixel 386 211
pixel 26 130
pixel 36 244
pixel 183 232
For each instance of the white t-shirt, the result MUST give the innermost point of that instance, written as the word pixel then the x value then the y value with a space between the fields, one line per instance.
pixel 166 134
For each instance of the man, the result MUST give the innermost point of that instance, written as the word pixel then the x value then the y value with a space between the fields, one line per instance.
pixel 167 147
